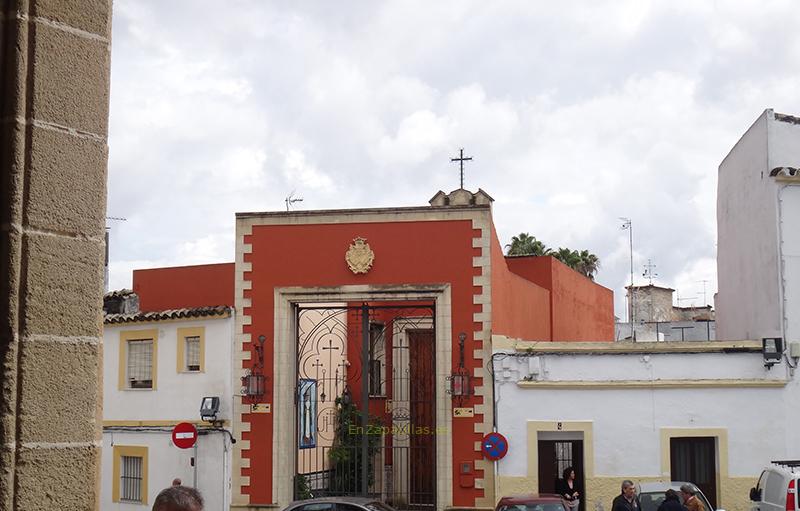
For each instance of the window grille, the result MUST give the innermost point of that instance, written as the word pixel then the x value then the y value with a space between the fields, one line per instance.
pixel 563 457
pixel 131 479
pixel 193 353
pixel 140 364
pixel 377 356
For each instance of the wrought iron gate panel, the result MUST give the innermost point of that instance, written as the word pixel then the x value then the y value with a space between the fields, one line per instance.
pixel 333 436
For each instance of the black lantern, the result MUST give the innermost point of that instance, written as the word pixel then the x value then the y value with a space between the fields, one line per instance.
pixel 253 381
pixel 460 379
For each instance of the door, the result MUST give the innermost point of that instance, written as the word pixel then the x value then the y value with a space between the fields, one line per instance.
pixel 554 457
pixel 694 459
pixel 422 427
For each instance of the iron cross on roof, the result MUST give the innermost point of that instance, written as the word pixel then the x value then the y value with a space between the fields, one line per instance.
pixel 461 161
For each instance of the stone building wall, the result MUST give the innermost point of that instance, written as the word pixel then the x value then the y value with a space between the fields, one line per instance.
pixel 54 76
pixel 651 303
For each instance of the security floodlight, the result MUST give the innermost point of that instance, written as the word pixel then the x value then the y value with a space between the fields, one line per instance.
pixel 772 349
pixel 209 408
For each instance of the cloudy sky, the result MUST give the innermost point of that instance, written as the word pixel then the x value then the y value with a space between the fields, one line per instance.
pixel 576 114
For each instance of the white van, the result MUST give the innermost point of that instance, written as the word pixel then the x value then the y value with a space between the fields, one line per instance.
pixel 777 487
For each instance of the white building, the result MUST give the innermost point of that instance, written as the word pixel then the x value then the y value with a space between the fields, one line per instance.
pixel 157 368
pixel 708 412
pixel 758 236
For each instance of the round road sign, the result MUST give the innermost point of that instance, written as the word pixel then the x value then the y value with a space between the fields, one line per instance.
pixel 494 446
pixel 184 435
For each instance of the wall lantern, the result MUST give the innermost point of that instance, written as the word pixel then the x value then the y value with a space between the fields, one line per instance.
pixel 253 381
pixel 772 349
pixel 460 379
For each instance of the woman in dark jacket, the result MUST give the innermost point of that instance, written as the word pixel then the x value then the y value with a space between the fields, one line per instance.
pixel 671 502
pixel 568 489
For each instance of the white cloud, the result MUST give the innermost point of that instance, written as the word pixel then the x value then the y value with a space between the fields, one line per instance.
pixel 575 114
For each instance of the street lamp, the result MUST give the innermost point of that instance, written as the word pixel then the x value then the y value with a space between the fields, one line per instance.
pixel 628 225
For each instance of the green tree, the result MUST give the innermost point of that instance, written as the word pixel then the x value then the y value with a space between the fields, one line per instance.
pixel 584 262
pixel 525 244
pixel 589 264
pixel 345 454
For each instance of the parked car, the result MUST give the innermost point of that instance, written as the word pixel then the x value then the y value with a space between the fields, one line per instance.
pixel 339 504
pixel 777 487
pixel 651 495
pixel 532 502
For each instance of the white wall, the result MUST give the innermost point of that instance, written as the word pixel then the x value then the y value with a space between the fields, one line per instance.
pixel 166 462
pixel 747 304
pixel 627 422
pixel 176 398
pixel 177 395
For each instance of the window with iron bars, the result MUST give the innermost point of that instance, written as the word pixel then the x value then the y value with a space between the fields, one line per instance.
pixel 140 364
pixel 131 479
pixel 192 353
pixel 377 359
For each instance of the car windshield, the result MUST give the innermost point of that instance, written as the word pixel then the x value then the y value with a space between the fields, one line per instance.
pixel 544 506
pixel 651 501
pixel 378 506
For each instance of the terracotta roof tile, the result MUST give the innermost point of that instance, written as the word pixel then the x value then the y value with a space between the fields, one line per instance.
pixel 195 312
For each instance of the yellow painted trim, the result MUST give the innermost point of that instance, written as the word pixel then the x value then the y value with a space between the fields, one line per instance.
pixel 650 384
pixel 128 450
pixel 721 434
pixel 535 427
pixel 640 347
pixel 132 335
pixel 183 333
pixel 156 424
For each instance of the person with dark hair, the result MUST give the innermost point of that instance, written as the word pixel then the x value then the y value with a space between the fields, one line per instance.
pixel 690 500
pixel 627 500
pixel 178 498
pixel 568 489
pixel 672 502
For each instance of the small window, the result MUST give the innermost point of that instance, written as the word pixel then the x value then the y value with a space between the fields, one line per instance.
pixel 193 353
pixel 140 364
pixel 130 483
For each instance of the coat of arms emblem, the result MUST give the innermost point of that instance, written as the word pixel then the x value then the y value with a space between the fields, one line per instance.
pixel 359 256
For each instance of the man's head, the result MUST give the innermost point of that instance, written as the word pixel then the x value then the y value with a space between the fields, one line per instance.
pixel 628 489
pixel 687 492
pixel 178 498
pixel 177 482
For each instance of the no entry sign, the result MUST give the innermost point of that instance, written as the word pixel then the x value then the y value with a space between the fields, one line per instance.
pixel 494 446
pixel 184 435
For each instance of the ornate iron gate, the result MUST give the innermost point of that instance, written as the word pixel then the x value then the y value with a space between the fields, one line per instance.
pixel 379 358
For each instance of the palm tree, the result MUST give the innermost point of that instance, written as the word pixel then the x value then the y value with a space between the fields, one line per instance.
pixel 569 257
pixel 589 264
pixel 525 244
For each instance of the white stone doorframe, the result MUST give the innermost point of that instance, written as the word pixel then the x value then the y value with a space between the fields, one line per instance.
pixel 283 441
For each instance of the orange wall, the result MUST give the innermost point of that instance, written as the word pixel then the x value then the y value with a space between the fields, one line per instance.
pixel 520 308
pixel 184 286
pixel 410 253
pixel 580 309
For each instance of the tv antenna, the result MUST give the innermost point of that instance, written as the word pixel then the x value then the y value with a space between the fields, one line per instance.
pixel 704 281
pixel 291 199
pixel 649 272
pixel 690 297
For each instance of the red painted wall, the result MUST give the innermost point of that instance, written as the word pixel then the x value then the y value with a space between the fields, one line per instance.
pixel 313 256
pixel 580 309
pixel 520 308
pixel 184 286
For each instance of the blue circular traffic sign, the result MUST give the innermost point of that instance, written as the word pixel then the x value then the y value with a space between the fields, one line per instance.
pixel 494 446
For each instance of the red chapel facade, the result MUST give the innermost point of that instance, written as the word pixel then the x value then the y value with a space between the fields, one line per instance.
pixel 388 307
